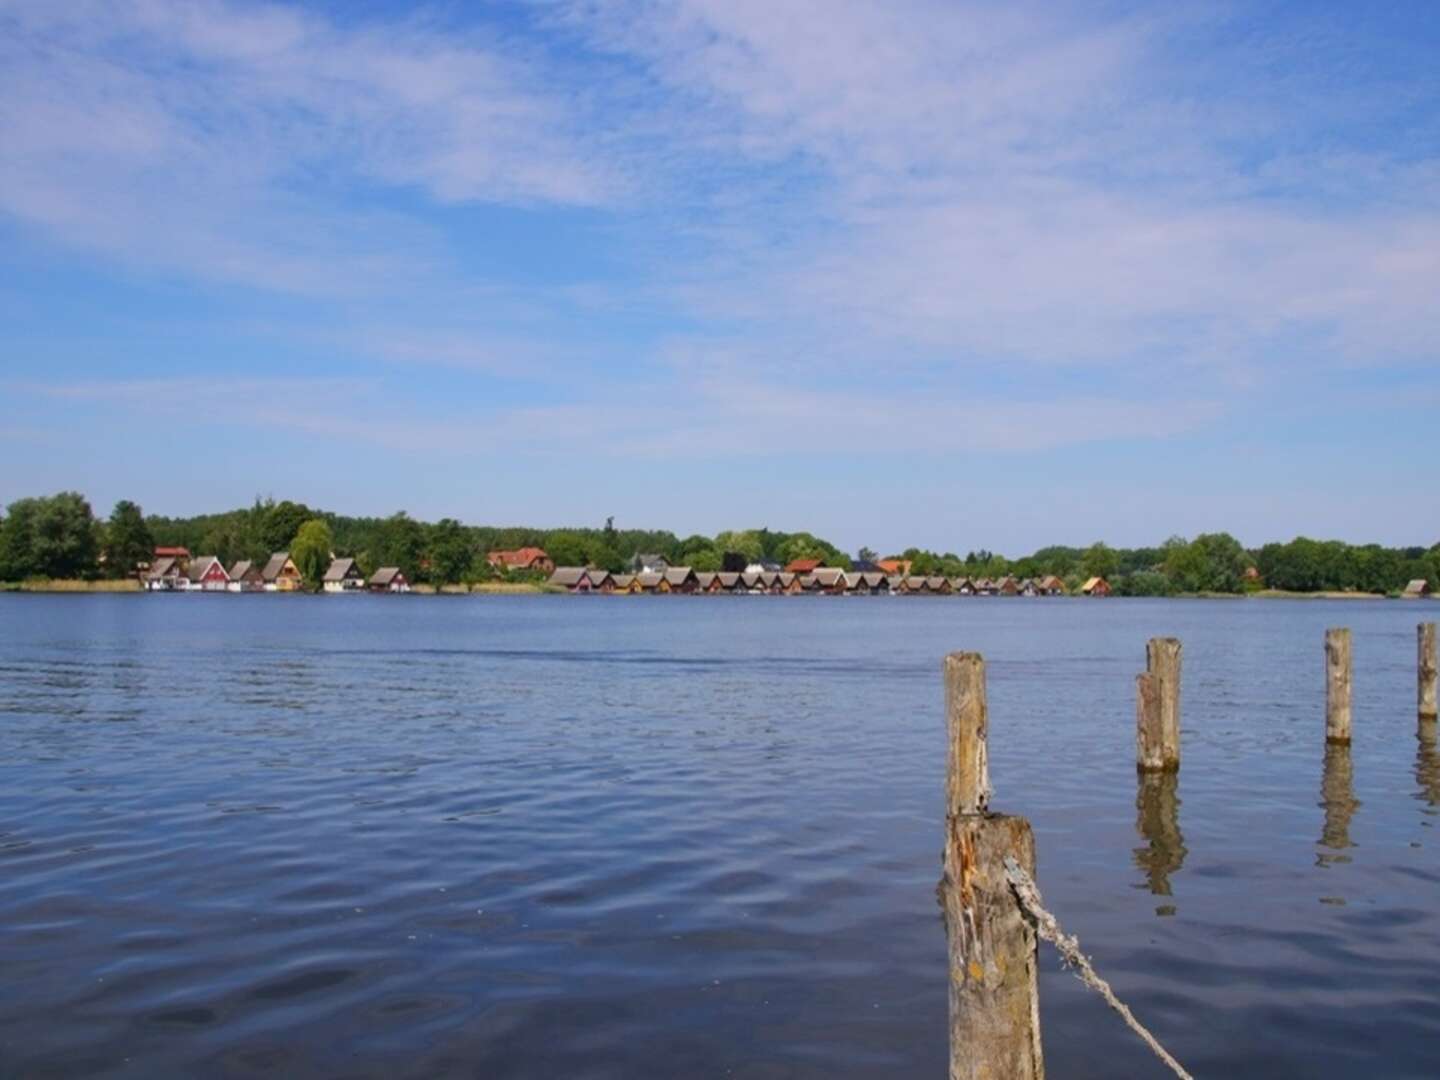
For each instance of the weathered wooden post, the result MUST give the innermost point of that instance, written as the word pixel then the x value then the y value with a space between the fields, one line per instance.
pixel 1157 708
pixel 1337 686
pixel 1425 669
pixel 994 996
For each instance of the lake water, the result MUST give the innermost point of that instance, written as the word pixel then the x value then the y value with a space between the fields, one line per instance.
pixel 606 837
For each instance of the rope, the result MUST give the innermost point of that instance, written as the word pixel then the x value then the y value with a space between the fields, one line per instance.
pixel 1070 954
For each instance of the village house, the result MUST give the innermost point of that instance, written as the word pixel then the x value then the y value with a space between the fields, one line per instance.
pixel 802 566
pixel 181 555
pixel 388 579
pixel 207 574
pixel 522 559
pixel 1095 586
pixel 763 566
pixel 1417 589
pixel 281 574
pixel 343 576
pixel 1050 585
pixel 245 576
pixel 165 575
pixel 895 567
pixel 649 564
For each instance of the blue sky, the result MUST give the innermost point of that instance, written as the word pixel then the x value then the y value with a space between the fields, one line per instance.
pixel 952 274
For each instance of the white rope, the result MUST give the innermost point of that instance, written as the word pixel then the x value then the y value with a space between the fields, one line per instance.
pixel 1069 949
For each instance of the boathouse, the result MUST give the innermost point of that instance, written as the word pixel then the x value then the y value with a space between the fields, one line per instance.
pixel 388 579
pixel 245 577
pixel 343 576
pixel 207 574
pixel 165 575
pixel 281 574
pixel 1095 586
pixel 570 578
pixel 1417 589
pixel 681 579
pixel 624 583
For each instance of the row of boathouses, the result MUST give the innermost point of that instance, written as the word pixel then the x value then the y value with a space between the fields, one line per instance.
pixel 822 580
pixel 174 570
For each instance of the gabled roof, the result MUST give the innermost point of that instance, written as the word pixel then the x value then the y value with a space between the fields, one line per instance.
pixel 598 577
pixel 728 579
pixel 240 569
pixel 1418 587
pixel 1094 583
pixel 568 576
pixel 649 579
pixel 519 559
pixel 164 567
pixel 340 569
pixel 936 582
pixel 750 579
pixel 643 559
pixel 828 577
pixel 706 578
pixel 802 566
pixel 275 565
pixel 622 581
pixel 199 567
pixel 386 575
pixel 172 553
pixel 679 575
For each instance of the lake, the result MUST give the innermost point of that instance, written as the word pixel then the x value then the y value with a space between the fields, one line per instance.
pixel 689 836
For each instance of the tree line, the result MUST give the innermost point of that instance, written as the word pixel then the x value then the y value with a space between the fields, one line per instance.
pixel 58 536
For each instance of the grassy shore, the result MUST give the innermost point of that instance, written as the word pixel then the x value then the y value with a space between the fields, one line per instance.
pixel 72 585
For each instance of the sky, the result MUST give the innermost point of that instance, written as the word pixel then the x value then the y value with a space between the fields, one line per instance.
pixel 951 274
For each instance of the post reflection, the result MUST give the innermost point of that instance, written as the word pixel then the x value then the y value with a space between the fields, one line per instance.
pixel 1337 798
pixel 1157 820
pixel 1427 766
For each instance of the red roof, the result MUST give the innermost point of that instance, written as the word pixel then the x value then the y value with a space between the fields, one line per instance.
pixel 802 566
pixel 172 553
pixel 519 559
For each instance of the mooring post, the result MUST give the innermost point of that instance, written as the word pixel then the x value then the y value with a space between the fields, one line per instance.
pixel 1425 669
pixel 994 995
pixel 1337 686
pixel 1157 708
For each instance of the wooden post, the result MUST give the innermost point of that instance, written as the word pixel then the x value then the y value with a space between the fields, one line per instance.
pixel 1337 686
pixel 994 994
pixel 1157 708
pixel 967 778
pixel 1425 669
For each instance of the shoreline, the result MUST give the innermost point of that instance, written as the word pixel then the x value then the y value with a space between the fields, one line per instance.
pixel 130 586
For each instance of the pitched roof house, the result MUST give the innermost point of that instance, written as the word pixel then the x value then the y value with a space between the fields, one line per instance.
pixel 1416 589
pixel 281 574
pixel 525 558
pixel 895 567
pixel 343 576
pixel 1096 586
pixel 165 574
pixel 1050 585
pixel 245 577
pixel 802 566
pixel 207 574
pixel 573 578
pixel 623 583
pixel 681 579
pixel 389 579
pixel 650 581
pixel 649 564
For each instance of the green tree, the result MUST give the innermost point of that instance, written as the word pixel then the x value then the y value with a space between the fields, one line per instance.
pixel 281 524
pixel 55 537
pixel 1099 560
pixel 127 540
pixel 311 551
pixel 704 559
pixel 746 543
pixel 400 541
pixel 450 551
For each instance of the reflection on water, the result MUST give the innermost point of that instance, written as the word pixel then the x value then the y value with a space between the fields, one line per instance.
pixel 1337 797
pixel 1427 767
pixel 1157 820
